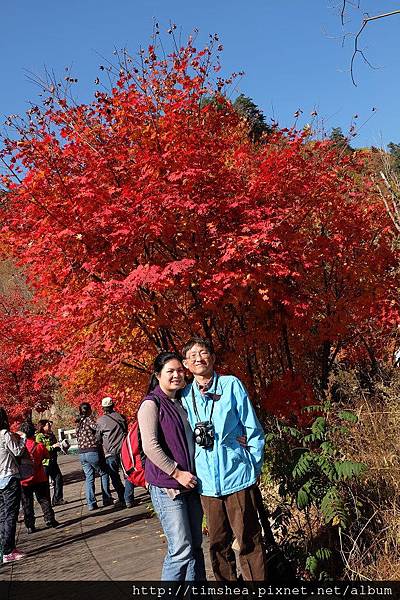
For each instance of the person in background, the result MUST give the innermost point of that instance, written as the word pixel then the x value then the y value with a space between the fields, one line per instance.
pixel 45 436
pixel 37 484
pixel 229 456
pixel 169 470
pixel 110 433
pixel 11 446
pixel 90 457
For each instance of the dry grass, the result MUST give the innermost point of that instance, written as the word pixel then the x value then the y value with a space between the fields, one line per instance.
pixel 371 547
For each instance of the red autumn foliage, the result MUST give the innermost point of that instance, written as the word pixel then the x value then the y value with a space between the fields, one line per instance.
pixel 287 395
pixel 21 385
pixel 149 214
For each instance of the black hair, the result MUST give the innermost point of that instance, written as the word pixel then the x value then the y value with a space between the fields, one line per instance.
pixel 4 422
pixel 28 428
pixel 159 363
pixel 85 409
pixel 197 340
pixel 42 424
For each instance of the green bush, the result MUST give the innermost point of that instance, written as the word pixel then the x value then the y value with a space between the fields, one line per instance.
pixel 314 478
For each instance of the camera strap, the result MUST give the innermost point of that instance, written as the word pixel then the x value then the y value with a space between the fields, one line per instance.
pixel 213 402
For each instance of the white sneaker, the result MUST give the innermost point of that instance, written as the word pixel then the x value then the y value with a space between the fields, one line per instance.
pixel 14 555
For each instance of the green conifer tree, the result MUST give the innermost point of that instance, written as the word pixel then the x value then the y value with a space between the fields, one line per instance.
pixel 254 117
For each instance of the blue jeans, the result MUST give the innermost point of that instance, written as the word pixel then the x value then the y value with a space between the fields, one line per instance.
pixel 91 465
pixel 125 492
pixel 181 520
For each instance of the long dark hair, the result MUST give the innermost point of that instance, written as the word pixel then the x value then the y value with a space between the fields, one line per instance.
pixel 28 428
pixel 4 422
pixel 85 409
pixel 159 363
pixel 42 424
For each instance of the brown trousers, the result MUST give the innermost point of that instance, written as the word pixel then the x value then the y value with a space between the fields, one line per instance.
pixel 236 516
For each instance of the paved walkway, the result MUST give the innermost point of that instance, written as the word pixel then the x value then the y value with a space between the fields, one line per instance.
pixel 104 545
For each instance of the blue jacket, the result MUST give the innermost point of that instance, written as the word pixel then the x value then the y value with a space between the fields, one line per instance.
pixel 227 467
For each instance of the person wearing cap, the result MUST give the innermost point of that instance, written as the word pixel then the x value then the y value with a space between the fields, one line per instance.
pixel 45 436
pixel 111 431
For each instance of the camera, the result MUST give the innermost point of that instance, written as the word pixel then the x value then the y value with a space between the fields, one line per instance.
pixel 204 434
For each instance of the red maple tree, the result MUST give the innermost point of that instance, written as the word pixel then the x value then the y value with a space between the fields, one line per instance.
pixel 23 385
pixel 149 215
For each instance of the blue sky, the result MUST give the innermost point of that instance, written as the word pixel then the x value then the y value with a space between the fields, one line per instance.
pixel 290 50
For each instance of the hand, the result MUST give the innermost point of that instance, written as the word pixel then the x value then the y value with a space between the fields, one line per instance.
pixel 185 478
pixel 57 445
pixel 242 439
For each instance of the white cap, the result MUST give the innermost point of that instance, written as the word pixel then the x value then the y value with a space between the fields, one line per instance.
pixel 107 402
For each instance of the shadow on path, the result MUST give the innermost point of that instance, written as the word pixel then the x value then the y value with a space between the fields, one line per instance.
pixel 102 512
pixel 73 477
pixel 62 543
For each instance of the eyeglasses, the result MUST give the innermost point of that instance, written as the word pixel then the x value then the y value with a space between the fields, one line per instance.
pixel 202 354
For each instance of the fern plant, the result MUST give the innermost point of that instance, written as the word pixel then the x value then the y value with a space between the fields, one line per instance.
pixel 312 471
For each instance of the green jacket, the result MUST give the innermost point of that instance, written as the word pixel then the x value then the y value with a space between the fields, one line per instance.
pixel 48 441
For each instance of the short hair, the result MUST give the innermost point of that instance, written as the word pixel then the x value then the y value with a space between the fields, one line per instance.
pixel 197 340
pixel 28 429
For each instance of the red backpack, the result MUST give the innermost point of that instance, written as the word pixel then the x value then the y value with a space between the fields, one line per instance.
pixel 132 457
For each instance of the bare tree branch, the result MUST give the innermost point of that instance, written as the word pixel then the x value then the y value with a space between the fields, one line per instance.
pixel 382 16
pixel 343 11
pixel 365 22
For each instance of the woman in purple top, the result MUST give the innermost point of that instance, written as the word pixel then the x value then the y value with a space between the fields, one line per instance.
pixel 169 470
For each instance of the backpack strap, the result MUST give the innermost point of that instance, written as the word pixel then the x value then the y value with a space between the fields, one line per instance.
pixel 35 445
pixel 123 427
pixel 142 455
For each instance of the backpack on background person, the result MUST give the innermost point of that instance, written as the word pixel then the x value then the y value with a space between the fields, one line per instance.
pixel 36 453
pixel 26 465
pixel 132 457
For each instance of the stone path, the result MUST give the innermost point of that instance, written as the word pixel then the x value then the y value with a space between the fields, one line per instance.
pixel 104 545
